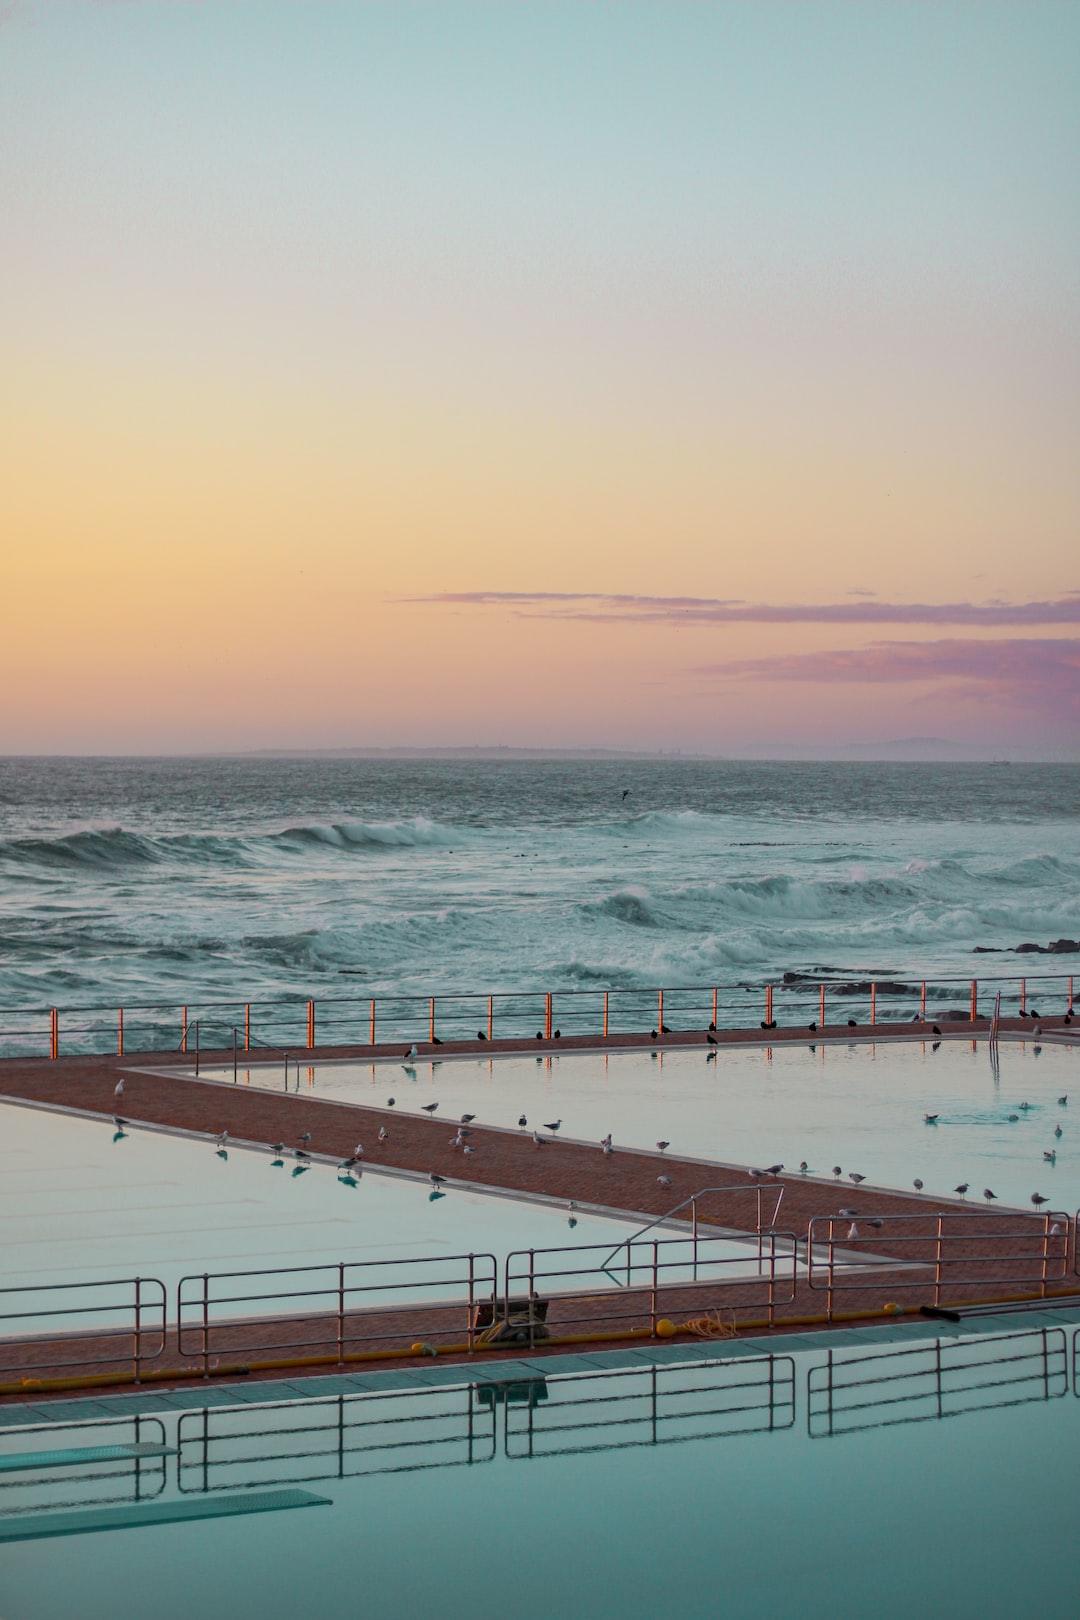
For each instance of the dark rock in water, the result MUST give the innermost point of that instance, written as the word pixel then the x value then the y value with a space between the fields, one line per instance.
pixel 956 1014
pixel 987 950
pixel 1057 947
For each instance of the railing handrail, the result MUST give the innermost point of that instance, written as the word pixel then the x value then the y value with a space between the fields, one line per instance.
pixel 693 1198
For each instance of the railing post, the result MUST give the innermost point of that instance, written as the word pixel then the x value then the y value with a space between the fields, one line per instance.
pixel 1070 992
pixel 120 1033
pixel 768 1004
pixel 234 1055
pixel 341 1314
pixel 54 1033
pixel 659 1012
pixel 922 1002
pixel 310 1025
pixel 138 1325
pixel 470 1329
pixel 196 1046
pixel 694 1233
pixel 655 1281
pixel 605 1014
pixel 547 1015
pixel 832 1261
pixel 772 1278
pixel 714 1007
pixel 183 1029
pixel 491 1016
pixel 431 1022
pixel 372 1021
pixel 821 1008
pixel 247 1026
pixel 1023 996
pixel 873 1004
pixel 937 1260
pixel 974 1000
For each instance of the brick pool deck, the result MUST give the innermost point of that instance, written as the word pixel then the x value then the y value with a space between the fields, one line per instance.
pixel 509 1161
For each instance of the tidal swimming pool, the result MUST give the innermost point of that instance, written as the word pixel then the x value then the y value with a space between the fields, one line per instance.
pixel 858 1105
pixel 826 1475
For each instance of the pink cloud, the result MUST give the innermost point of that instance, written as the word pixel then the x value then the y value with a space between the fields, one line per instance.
pixel 611 608
pixel 1043 674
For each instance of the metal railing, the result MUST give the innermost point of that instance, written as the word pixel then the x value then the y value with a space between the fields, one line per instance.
pixel 565 1291
pixel 942 1252
pixel 757 1191
pixel 851 1392
pixel 62 1328
pixel 329 1310
pixel 295 1023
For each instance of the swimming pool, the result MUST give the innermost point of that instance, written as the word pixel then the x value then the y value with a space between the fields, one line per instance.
pixel 860 1105
pixel 825 1474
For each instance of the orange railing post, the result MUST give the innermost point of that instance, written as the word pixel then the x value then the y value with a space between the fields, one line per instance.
pixel 247 1026
pixel 821 1008
pixel 768 1003
pixel 659 1012
pixel 373 1021
pixel 183 1029
pixel 1023 995
pixel 547 1015
pixel 922 1002
pixel 714 1007
pixel 54 1033
pixel 491 1016
pixel 873 1004
pixel 310 1025
pixel 605 1014
pixel 120 1033
pixel 974 999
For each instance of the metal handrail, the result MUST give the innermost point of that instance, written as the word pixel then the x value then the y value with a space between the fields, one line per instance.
pixel 659 1220
pixel 147 1300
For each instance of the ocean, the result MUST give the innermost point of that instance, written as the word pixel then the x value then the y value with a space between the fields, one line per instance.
pixel 178 879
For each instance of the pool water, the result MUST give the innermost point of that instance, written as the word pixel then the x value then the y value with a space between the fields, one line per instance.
pixel 831 1475
pixel 859 1105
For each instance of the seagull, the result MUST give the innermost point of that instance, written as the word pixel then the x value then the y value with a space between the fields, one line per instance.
pixel 935 1029
pixel 522 1121
pixel 837 1172
pixel 988 1195
pixel 118 1089
pixel 711 1038
pixel 605 1141
pixel 853 1175
pixel 775 1169
pixel 853 1230
pixel 1063 1101
pixel 625 794
pixel 877 1224
pixel 1013 1118
pixel 223 1140
pixel 467 1119
pixel 1051 1157
pixel 429 1108
pixel 812 1028
pixel 1037 1199
pixel 345 1166
pixel 931 1119
pixel 1057 1130
pixel 538 1139
pixel 756 1175
pixel 384 1134
pixel 457 1141
pixel 413 1052
pixel 554 1126
pixel 278 1149
pixel 305 1136
pixel 608 1149
pixel 803 1167
pixel 663 1181
pixel 358 1151
pixel 917 1184
pixel 436 1181
pixel 480 1035
pixel 660 1146
pixel 390 1102
pixel 962 1189
pixel 848 1214
pixel 1023 1107
pixel 468 1149
pixel 299 1155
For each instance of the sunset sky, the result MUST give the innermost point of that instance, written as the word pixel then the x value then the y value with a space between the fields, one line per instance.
pixel 694 376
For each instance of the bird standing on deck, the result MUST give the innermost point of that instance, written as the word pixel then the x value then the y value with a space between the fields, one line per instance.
pixel 538 1139
pixel 436 1181
pixel 553 1126
pixel 917 1184
pixel 118 1089
pixel 223 1140
pixel 660 1146
pixel 413 1052
pixel 305 1136
pixel 988 1195
pixel 467 1119
pixel 522 1121
pixel 803 1167
pixel 1038 1200
pixel 962 1189
pixel 853 1175
pixel 390 1102
pixel 384 1134
pixel 663 1181
pixel 837 1172
pixel 429 1108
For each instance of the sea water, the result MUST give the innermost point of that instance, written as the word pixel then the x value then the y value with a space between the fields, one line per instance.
pixel 181 879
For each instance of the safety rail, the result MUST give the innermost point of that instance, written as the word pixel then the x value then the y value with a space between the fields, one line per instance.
pixel 545 1294
pixel 756 1191
pixel 62 1328
pixel 297 1022
pixel 93 1462
pixel 852 1392
pixel 329 1310
pixel 941 1252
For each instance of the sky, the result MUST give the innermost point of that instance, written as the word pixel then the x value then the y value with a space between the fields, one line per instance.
pixel 661 376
